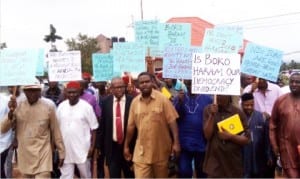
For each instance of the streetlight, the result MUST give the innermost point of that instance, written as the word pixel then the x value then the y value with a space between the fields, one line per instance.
pixel 52 37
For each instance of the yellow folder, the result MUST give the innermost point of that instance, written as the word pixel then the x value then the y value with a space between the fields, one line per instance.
pixel 166 93
pixel 232 124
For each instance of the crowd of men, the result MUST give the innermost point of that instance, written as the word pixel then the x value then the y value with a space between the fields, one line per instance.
pixel 128 128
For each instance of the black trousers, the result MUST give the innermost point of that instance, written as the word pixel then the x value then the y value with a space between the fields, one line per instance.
pixel 3 158
pixel 117 163
pixel 100 166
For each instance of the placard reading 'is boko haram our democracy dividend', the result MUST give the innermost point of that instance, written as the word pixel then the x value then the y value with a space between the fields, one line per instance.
pixel 216 73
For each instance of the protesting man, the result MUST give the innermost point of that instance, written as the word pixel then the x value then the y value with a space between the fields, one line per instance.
pixel 285 128
pixel 36 124
pixel 113 129
pixel 78 124
pixel 190 108
pixel 257 153
pixel 154 117
pixel 223 157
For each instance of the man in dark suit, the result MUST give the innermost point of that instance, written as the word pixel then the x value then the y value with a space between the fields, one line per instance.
pixel 113 123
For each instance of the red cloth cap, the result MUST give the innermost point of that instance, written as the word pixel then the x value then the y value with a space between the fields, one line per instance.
pixel 86 75
pixel 159 75
pixel 73 84
pixel 125 79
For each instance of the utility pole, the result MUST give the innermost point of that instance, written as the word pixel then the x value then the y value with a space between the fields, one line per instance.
pixel 142 18
pixel 0 22
pixel 2 44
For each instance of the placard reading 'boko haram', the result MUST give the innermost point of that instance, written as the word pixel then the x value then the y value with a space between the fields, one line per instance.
pixel 216 73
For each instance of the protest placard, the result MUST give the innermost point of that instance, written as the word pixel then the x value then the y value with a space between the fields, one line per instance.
pixel 64 66
pixel 129 57
pixel 223 39
pixel 40 62
pixel 216 73
pixel 18 66
pixel 147 33
pixel 175 34
pixel 102 66
pixel 262 62
pixel 177 62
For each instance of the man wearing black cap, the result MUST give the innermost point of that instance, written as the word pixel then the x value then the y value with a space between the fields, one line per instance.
pixel 257 153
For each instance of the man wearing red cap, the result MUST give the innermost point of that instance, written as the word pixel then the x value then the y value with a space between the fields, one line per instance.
pixel 78 124
pixel 36 126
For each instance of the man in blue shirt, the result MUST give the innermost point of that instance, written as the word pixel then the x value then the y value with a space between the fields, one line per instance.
pixel 257 154
pixel 190 125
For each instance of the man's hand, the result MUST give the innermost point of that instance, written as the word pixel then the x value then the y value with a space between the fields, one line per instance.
pixel 127 154
pixel 270 162
pixel 276 151
pixel 266 115
pixel 181 96
pixel 12 104
pixel 61 162
pixel 224 134
pixel 176 149
pixel 150 67
pixel 15 143
pixel 96 154
pixel 253 87
pixel 91 152
pixel 213 109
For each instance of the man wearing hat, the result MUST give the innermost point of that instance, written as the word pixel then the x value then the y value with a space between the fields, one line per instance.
pixel 36 126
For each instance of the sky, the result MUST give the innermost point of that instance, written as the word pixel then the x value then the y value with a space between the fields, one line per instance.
pixel 24 23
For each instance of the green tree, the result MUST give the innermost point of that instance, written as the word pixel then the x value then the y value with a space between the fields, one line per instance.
pixel 87 46
pixel 293 64
pixel 284 66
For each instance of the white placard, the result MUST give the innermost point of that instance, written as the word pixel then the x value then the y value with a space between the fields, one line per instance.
pixel 64 66
pixel 216 73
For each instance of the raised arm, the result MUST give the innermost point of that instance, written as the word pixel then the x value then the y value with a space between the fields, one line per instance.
pixel 208 123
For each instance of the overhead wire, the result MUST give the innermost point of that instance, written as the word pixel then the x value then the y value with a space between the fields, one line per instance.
pixel 261 18
pixel 270 22
pixel 267 21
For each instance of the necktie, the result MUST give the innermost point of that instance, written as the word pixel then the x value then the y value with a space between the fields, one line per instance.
pixel 119 123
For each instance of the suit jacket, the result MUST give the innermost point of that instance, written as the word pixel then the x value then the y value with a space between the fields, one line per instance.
pixel 106 126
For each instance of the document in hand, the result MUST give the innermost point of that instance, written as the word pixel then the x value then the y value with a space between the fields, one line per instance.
pixel 232 124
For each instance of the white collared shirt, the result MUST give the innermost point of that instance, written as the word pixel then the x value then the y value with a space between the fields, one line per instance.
pixel 122 104
pixel 76 122
pixel 264 103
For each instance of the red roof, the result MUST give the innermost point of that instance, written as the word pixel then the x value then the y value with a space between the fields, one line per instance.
pixel 198 29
